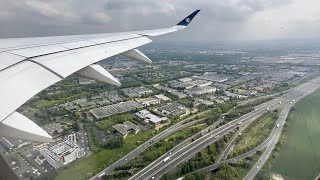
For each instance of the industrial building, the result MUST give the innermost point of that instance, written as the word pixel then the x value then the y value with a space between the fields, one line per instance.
pixel 62 153
pixel 201 83
pixel 136 91
pixel 114 109
pixel 12 144
pixel 185 79
pixel 147 116
pixel 174 109
pixel 148 101
pixel 162 97
pixel 212 77
pixel 233 95
pixel 126 128
pixel 181 85
pixel 179 94
pixel 200 90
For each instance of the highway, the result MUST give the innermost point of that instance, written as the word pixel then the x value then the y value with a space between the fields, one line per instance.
pixel 231 144
pixel 268 142
pixel 166 133
pixel 271 145
pixel 187 151
pixel 277 133
pixel 158 169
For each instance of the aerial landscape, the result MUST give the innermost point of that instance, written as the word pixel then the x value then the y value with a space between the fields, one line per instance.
pixel 206 105
pixel 214 114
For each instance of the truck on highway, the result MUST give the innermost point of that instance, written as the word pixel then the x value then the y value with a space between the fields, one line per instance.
pixel 278 125
pixel 102 174
pixel 166 159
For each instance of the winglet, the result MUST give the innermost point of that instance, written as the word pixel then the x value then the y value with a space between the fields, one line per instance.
pixel 188 19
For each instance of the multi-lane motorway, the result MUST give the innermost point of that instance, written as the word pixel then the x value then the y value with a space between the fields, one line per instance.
pixel 271 145
pixel 277 132
pixel 166 133
pixel 158 169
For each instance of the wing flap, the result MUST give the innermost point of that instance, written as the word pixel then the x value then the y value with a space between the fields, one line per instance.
pixel 21 82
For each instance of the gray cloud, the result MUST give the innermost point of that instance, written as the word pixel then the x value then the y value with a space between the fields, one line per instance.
pixel 218 19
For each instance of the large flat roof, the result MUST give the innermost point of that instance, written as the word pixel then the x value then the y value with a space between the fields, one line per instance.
pixel 149 116
pixel 173 109
pixel 114 109
pixel 125 127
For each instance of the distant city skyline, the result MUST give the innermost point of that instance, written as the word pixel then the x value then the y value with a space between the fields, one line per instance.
pixel 218 20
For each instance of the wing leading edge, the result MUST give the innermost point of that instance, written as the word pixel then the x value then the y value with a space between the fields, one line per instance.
pixel 29 65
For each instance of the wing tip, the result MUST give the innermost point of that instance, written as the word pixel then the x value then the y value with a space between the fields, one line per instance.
pixel 186 21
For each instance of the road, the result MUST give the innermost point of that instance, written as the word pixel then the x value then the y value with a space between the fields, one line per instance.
pixel 276 136
pixel 166 133
pixel 158 169
pixel 229 147
pixel 268 142
pixel 231 144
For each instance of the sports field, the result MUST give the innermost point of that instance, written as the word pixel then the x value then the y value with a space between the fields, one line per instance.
pixel 300 156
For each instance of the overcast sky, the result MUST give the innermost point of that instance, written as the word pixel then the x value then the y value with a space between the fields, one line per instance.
pixel 218 20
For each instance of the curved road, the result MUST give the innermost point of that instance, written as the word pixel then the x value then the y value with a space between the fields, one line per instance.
pixel 158 169
pixel 275 138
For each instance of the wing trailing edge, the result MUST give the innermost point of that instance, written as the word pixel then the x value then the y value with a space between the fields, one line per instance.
pixel 20 127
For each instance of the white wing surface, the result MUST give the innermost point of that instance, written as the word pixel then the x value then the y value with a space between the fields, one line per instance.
pixel 29 65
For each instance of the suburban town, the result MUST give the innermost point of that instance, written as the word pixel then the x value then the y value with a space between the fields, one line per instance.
pixel 161 105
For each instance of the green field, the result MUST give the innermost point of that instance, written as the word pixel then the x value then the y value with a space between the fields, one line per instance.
pixel 256 133
pixel 300 156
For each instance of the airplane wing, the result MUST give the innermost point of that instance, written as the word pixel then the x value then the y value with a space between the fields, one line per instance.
pixel 29 65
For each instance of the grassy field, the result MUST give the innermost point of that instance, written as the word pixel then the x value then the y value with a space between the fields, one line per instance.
pixel 44 103
pixel 255 134
pixel 95 163
pixel 300 155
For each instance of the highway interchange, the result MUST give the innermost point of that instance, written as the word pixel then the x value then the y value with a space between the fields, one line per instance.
pixel 187 148
pixel 166 133
pixel 277 132
pixel 158 169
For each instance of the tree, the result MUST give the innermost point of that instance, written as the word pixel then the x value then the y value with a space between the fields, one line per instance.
pixel 114 143
pixel 55 133
pixel 209 149
pixel 75 127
